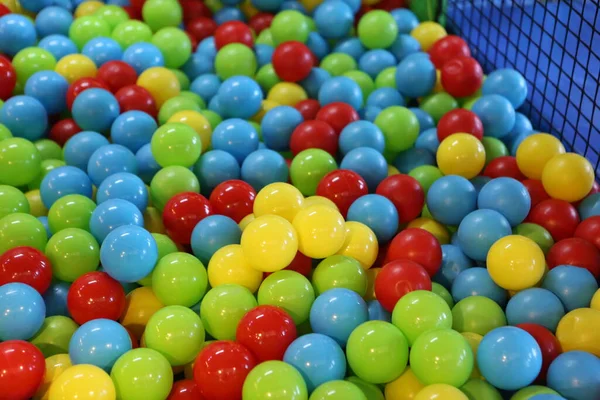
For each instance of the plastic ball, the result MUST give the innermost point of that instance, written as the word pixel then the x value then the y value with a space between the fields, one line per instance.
pixel 213 233
pixel 535 305
pixel 21 229
pixel 176 144
pixel 289 25
pixel 84 382
pixel 459 121
pixel 396 279
pixel 572 369
pixel 496 113
pixel 290 291
pixel 477 282
pixel 548 343
pixel 240 97
pixel 440 390
pixel 49 89
pixel 292 61
pixel 358 159
pixel 507 83
pixel 236 137
pixel 390 120
pixel 95 110
pixel 507 196
pixel 95 295
pixel 321 231
pixel 461 154
pixel 72 211
pixel 279 125
pixel 448 48
pixel 12 200
pixel 17 32
pixel 233 198
pixel 23 369
pixel 578 330
pixel 161 13
pixel 562 281
pixel 263 167
pixel 142 372
pixel 427 33
pixel 451 198
pixel 557 216
pixel 134 97
pixel 405 386
pixel 568 177
pixel 133 266
pixel 479 230
pixel 477 314
pixel 415 76
pixel 31 60
pixel 26 265
pixel 589 206
pixel 406 194
pixel 535 152
pixel 235 59
pixel 461 76
pixel 274 379
pixel 141 304
pixel 25 311
pixel 336 27
pixel 454 262
pixel 72 252
pixel 99 342
pixel 102 50
pixel 417 245
pixel 142 56
pixel 515 262
pixel 339 271
pixel 179 279
pixel 20 161
pixel 160 82
pixel 342 187
pixel 376 212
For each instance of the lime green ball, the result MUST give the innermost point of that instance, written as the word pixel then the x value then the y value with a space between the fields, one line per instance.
pixel 235 59
pixel 426 175
pixel 174 105
pixel 160 14
pixel 54 335
pixel 4 132
pixel 536 233
pixel 191 95
pixel 363 80
pixel 494 148
pixel 20 162
pixel 179 279
pixel 142 374
pixel 31 60
pixel 72 252
pixel 184 81
pixel 46 166
pixel 71 211
pixel 309 167
pixel 477 389
pixel 165 246
pixel 48 149
pixel 266 77
pixel 340 272
pixel 130 32
pixel 176 144
pixel 338 63
pixel 20 229
pixel 174 44
pixel 400 127
pixel 265 37
pixel 222 309
pixel 12 200
pixel 274 378
pixel 438 104
pixel 530 391
pixel 290 291
pixel 337 390
pixel 177 333
pixel 371 391
pixel 467 105
pixel 213 118
pixel 377 29
pixel 477 314
pixel 112 15
pixel 289 25
pixel 442 292
pixel 84 29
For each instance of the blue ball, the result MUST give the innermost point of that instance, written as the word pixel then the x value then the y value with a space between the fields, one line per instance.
pixel 215 167
pixel 451 198
pixel 454 262
pixel 574 286
pixel 207 48
pixel 293 5
pixel 267 5
pixel 313 82
pixel 428 140
pixel 318 358
pixel 368 163
pixel 514 144
pixel 235 136
pixel 509 358
pixel 317 45
pixel 496 113
pixel 133 129
pixel 370 113
pixel 102 50
pixel 547 396
pixel 377 312
pixel 25 116
pixel 479 230
pixel 385 97
pixel 425 120
pixel 277 126
pixel 263 167
pixel 95 110
pixel 99 342
pixel 479 182
pixel 55 299
pixel 240 97
pixel 590 206
pixel 264 54
pixel 108 160
pixel 477 281
pixel 142 56
pixel 44 221
pixel 575 375
pixel 50 89
pixel 213 233
pixel 376 212
pixel 198 64
pixel 415 75
pixel 351 46
pixel 412 158
pixel 508 196
pixel 361 134
pixel 123 264
pixel 374 61
pixel 23 311
pixel 67 4
pixel 58 45
pixel 405 19
pixel 125 186
pixel 333 19
pixel 507 83
pixel 227 14
pixel 341 89
pixel 111 214
pixel 206 86
pixel 404 45
pixel 78 150
pixel 522 126
pixel 63 181
pixel 353 4
pixel 535 306
pixel 215 106
pixel 35 5
pixel 147 166
pixel 53 20
pixel 16 33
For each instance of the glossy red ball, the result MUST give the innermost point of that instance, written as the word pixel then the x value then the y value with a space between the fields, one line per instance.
pixel 406 193
pixel 338 115
pixel 64 130
pixel 201 28
pixel 8 78
pixel 589 229
pixel 185 389
pixel 314 135
pixel 300 264
pixel 292 61
pixel 343 187
pixel 95 295
pixel 116 75
pixel 504 166
pixel 233 32
pixel 397 278
pixel 558 217
pixel 417 245
pixel 260 22
pixel 459 121
pixel 389 5
pixel 548 343
pixel 233 198
pixel 192 9
pixel 447 48
pixel 134 97
pixel 461 76
pixel 22 368
pixel 83 84
pixel 182 213
pixel 4 10
pixel 26 265
pixel 308 108
pixel 536 191
pixel 577 252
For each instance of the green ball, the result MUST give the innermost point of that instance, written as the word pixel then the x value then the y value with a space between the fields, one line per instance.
pixel 377 29
pixel 72 252
pixel 386 78
pixel 265 37
pixel 112 15
pixel 467 105
pixel 4 132
pixel 142 374
pixel 12 200
pixel 426 175
pixel 438 104
pixel 160 14
pixel 421 311
pixel 266 77
pixel 20 162
pixel 130 32
pixel 174 44
pixel 84 29
pixel 174 105
pixel 71 211
pixel 48 149
pixel 530 391
pixel 289 25
pixel 443 293
pixel 338 63
pixel 213 118
pixel 176 144
pixel 400 127
pixel 289 290
pixel 536 233
pixel 21 229
pixel 222 309
pixel 371 391
pixel 46 166
pixel 54 335
pixel 235 59
pixel 377 352
pixel 337 390
pixel 274 380
pixel 31 60
pixel 477 314
pixel 309 167
pixel 477 389
pixel 165 246
pixel 214 5
pixel 442 356
pixel 177 333
pixel 179 279
pixel 190 95
pixel 363 80
pixel 170 181
pixel 339 271
pixel 494 148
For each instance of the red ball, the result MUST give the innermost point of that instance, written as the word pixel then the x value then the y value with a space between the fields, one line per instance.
pixel 536 191
pixel 447 48
pixel 192 9
pixel 22 369
pixel 133 12
pixel 182 213
pixel 300 264
pixel 260 22
pixel 343 187
pixel 314 135
pixel 201 28
pixel 589 229
pixel 461 76
pixel 4 10
pixel 83 84
pixel 95 295
pixel 137 5
pixel 266 331
pixel 233 32
pixel 558 217
pixel 134 97
pixel 185 389
pixel 548 343
pixel 308 108
pixel 577 252
pixel 64 130
pixel 337 115
pixel 8 77
pixel 417 245
pixel 233 198
pixel 397 278
pixel 406 193
pixel 221 368
pixel 117 74
pixel 390 5
pixel 135 343
pixel 26 265
pixel 292 61
pixel 459 121
pixel 504 166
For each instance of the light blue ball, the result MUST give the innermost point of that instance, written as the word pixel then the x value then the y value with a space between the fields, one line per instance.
pixel 508 196
pixel 55 299
pixel 535 306
pixel 385 97
pixel 213 233
pixel 479 230
pixel 351 46
pixel 477 281
pixel 377 312
pixel 133 129
pixel 522 126
pixel 425 120
pixel 361 134
pixel 44 221
pixel 23 311
pixel 99 342
pixel 333 19
pixel 124 186
pixel 50 89
pixel 111 214
pixel 58 45
pixel 95 110
pixel 25 116
pixel 412 158
pixel 142 56
pixel 479 182
pixel 507 83
pixel 264 54
pixel 317 45
pixel 404 45
pixel 370 113
pixel 263 167
pixel 102 50
pixel 108 160
pixel 235 136
pixel 35 5
pixel 590 206
pixel 353 4
pixel 341 89
pixel 574 286
pixel 240 97
pixel 267 5
pixel 206 86
pixel 215 167
pixel 368 163
pixel 376 212
pixel 454 262
pixel 451 198
pixel 547 396
pixel 146 163
pixel 514 144
pixel 198 64
pixel 53 20
pixel 208 48
pixel 405 19
pixel 415 75
pixel 16 33
pixel 277 126
pixel 313 82
pixel 428 140
pixel 575 375
pixel 497 115
pixel 373 62
pixel 63 181
pixel 227 14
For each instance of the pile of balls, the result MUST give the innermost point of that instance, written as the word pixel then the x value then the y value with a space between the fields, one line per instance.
pixel 282 200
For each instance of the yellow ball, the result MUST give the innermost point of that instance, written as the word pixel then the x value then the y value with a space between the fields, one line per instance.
pixel 568 177
pixel 474 339
pixel 370 2
pixel 83 382
pixel 405 387
pixel 161 83
pixel 248 9
pixel 197 122
pixel 321 231
pixel 427 33
pixel 438 88
pixel 580 330
pixel 392 170
pixel 534 153
pixel 270 243
pixel 287 94
pixel 280 199
pixel 440 391
pixel 76 66
pixel 36 207
pixel 595 304
pixel 371 275
pixel 461 154
pixel 55 365
pixel 515 262
pixel 245 221
pixel 360 244
pixel 87 8
pixel 320 200
pixel 265 106
pixel 311 4
pixel 142 303
pixel 229 265
pixel 432 226
pixel 153 221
